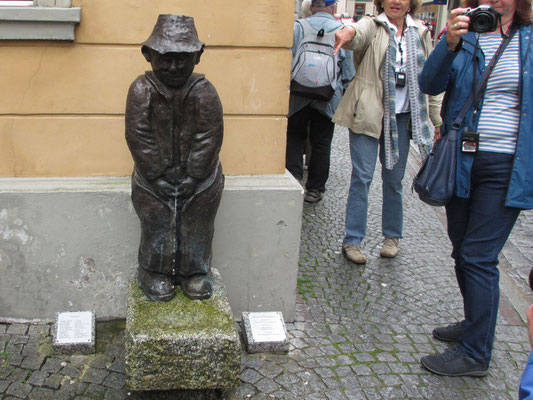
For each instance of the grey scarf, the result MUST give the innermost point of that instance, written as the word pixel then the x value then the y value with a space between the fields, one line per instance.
pixel 422 129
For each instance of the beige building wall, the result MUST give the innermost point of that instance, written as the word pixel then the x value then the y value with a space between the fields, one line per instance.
pixel 62 104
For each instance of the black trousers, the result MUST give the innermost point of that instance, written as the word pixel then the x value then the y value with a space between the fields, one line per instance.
pixel 320 130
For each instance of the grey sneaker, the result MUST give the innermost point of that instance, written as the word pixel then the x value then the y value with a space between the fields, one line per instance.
pixel 353 253
pixel 390 248
pixel 453 362
pixel 313 196
pixel 450 333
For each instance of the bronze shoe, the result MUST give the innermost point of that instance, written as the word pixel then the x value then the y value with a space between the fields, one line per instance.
pixel 157 287
pixel 197 287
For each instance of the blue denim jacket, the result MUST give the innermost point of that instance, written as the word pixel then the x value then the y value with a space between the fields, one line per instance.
pixel 526 383
pixel 329 23
pixel 453 72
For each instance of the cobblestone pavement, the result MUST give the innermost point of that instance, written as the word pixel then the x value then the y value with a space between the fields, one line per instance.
pixel 359 333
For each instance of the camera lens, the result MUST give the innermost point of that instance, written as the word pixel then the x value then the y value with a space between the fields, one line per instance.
pixel 483 19
pixel 482 22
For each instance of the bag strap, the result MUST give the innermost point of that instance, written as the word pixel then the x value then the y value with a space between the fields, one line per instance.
pixel 480 87
pixel 308 29
pixel 306 26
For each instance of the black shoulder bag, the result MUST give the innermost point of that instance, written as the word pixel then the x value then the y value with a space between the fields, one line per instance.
pixel 435 181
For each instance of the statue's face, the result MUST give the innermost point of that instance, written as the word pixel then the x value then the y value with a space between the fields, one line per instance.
pixel 173 68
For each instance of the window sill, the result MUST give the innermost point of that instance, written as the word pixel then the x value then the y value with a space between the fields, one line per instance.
pixel 38 23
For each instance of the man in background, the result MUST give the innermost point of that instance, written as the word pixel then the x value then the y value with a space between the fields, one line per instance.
pixel 308 116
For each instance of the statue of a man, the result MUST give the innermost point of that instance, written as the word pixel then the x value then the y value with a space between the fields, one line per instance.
pixel 174 130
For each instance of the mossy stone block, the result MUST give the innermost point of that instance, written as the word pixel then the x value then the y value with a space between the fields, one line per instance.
pixel 183 343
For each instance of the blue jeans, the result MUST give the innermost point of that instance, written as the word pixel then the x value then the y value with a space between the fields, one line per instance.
pixel 364 150
pixel 478 228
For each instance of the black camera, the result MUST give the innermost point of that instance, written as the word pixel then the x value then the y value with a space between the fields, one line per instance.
pixel 483 19
pixel 400 79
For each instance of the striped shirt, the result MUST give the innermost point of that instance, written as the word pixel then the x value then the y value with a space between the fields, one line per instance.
pixel 499 117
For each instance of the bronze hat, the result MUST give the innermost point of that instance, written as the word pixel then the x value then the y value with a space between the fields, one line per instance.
pixel 174 34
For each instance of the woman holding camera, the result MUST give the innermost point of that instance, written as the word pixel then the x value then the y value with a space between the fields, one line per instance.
pixel 383 108
pixel 495 160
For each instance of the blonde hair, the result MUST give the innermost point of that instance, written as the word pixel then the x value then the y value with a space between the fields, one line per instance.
pixel 306 8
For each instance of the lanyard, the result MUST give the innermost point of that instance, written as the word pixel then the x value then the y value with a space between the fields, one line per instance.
pixel 400 48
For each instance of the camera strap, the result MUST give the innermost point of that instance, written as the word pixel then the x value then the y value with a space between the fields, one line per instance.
pixel 479 89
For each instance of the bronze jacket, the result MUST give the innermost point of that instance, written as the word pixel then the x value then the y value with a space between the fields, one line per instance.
pixel 174 133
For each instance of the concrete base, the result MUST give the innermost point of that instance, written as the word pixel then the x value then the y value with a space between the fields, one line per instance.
pixel 183 343
pixel 71 245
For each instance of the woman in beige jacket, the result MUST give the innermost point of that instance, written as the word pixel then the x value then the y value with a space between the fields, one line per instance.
pixel 383 109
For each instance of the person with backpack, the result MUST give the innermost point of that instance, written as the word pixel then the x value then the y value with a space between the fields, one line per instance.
pixel 383 109
pixel 318 81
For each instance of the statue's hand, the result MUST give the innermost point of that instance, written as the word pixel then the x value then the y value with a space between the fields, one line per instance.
pixel 165 189
pixel 172 174
pixel 187 186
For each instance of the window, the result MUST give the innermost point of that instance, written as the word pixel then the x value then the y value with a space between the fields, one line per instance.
pixel 16 3
pixel 38 19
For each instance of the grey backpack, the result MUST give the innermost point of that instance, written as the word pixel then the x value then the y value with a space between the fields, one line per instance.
pixel 314 66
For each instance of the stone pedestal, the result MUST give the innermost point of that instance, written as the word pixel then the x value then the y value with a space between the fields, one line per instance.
pixel 181 344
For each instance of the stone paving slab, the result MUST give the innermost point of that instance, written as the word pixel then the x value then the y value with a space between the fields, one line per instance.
pixel 359 331
pixel 519 253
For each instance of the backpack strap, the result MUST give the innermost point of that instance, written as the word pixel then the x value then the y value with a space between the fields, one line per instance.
pixel 306 27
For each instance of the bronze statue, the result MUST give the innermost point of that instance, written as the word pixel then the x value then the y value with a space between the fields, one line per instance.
pixel 174 131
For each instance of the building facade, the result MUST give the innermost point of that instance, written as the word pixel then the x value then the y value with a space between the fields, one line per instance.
pixel 69 233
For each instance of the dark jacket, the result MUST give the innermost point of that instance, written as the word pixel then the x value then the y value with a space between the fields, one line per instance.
pixel 174 134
